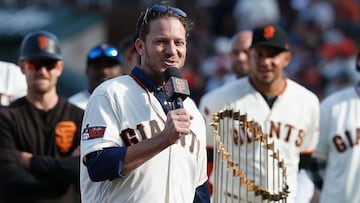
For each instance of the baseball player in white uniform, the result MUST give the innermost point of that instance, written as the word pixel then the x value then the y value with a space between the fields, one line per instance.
pixel 12 83
pixel 286 111
pixel 339 145
pixel 134 146
pixel 103 129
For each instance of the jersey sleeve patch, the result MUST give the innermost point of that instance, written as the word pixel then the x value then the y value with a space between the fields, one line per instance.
pixel 93 132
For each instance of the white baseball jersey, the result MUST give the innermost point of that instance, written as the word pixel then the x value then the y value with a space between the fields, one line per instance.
pixel 12 83
pixel 80 99
pixel 120 112
pixel 292 124
pixel 339 145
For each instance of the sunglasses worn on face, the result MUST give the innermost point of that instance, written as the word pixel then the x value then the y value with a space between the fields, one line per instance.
pixel 160 9
pixel 108 52
pixel 36 65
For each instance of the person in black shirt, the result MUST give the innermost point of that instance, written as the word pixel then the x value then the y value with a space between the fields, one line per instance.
pixel 40 133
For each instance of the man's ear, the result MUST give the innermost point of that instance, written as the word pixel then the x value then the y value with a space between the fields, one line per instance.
pixel 139 46
pixel 288 57
pixel 60 67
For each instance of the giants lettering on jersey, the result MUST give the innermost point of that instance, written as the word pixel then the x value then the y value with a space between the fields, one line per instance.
pixel 276 130
pixel 132 136
pixel 342 143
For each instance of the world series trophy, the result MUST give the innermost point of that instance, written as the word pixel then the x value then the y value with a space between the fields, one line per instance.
pixel 247 167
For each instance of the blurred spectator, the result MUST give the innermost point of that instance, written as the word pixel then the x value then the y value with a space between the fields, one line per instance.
pixel 223 20
pixel 335 167
pixel 347 10
pixel 250 14
pixel 348 17
pixel 239 53
pixel 103 62
pixel 338 55
pixel 12 83
pixel 216 68
pixel 320 12
pixel 40 133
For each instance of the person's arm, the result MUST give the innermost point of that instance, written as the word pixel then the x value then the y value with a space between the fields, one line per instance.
pixel 304 161
pixel 110 163
pixel 53 175
pixel 65 169
pixel 11 172
pixel 106 164
pixel 202 194
pixel 316 170
pixel 14 177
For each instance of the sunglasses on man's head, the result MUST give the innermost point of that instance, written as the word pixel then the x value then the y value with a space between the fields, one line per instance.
pixel 108 52
pixel 159 8
pixel 37 64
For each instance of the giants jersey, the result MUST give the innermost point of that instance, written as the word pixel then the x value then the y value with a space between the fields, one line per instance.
pixel 80 99
pixel 12 83
pixel 339 145
pixel 120 112
pixel 291 124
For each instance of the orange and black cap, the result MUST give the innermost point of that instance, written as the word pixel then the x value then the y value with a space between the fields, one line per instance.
pixel 40 44
pixel 270 35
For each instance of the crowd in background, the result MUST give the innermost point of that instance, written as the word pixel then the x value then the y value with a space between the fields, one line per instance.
pixel 323 36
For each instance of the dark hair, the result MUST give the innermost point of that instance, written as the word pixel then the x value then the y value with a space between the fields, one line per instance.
pixel 143 22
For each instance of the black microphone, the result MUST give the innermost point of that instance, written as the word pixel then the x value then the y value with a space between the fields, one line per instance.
pixel 176 87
